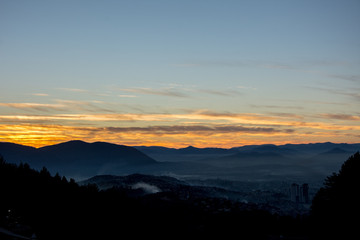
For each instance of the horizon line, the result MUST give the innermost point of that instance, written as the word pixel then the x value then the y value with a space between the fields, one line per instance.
pixel 78 140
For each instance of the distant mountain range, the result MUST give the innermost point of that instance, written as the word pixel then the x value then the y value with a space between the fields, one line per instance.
pixel 193 153
pixel 80 160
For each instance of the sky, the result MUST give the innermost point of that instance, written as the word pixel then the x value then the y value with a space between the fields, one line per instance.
pixel 206 73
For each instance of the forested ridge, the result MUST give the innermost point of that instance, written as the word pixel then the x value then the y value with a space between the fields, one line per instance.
pixel 335 207
pixel 53 207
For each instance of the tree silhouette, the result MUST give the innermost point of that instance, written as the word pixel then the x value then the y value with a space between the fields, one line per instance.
pixel 55 208
pixel 335 207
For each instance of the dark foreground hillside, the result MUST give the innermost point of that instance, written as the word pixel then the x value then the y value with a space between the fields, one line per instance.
pixel 336 207
pixel 36 204
pixel 51 207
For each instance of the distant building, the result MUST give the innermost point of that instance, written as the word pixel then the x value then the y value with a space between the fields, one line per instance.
pixel 299 194
pixel 294 193
pixel 304 193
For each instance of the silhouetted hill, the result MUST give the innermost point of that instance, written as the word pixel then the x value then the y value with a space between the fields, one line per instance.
pixel 80 160
pixel 183 154
pixel 156 149
pixel 317 148
pixel 291 150
pixel 141 185
pixel 135 181
pixel 281 150
pixel 335 207
pixel 95 153
pixel 290 162
pixel 194 150
pixel 77 158
pixel 55 208
pixel 337 150
pixel 17 151
pixel 326 162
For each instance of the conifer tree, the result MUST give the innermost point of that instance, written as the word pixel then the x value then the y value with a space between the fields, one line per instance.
pixel 335 207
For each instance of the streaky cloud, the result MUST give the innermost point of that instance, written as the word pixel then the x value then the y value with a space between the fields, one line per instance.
pixel 286 115
pixel 277 106
pixel 34 106
pixel 346 117
pixel 87 106
pixel 78 90
pixel 127 96
pixel 225 93
pixel 182 129
pixel 352 78
pixel 168 92
pixel 59 106
pixel 172 136
pixel 40 94
pixel 350 93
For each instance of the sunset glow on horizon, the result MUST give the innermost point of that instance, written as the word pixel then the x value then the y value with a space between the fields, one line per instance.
pixel 180 73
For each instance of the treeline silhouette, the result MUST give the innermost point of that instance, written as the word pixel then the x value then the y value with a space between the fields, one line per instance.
pixel 335 209
pixel 54 207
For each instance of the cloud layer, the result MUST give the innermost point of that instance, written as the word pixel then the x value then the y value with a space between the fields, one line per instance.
pixel 38 124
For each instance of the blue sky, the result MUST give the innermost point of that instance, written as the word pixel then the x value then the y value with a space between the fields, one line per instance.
pixel 298 60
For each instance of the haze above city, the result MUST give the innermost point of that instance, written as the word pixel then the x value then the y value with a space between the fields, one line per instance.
pixel 179 73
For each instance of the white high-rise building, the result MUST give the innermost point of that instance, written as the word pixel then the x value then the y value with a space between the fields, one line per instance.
pixel 294 192
pixel 299 194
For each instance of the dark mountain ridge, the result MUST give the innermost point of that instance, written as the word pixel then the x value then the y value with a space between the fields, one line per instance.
pixel 286 149
pixel 75 158
pixel 80 160
pixel 291 162
pixel 96 153
pixel 183 154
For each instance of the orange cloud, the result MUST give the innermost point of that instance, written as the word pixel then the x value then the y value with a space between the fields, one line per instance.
pixel 169 136
pixel 34 106
pixel 346 117
pixel 202 118
pixel 198 128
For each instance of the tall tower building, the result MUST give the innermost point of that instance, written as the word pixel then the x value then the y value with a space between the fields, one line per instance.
pixel 304 193
pixel 295 193
pixel 299 194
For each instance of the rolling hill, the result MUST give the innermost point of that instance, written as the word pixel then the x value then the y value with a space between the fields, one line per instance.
pixel 291 162
pixel 77 159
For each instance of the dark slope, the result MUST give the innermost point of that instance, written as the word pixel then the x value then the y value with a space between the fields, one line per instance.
pixel 81 160
pixel 15 152
pixel 288 150
pixel 163 183
pixel 188 150
pixel 94 153
pixel 53 208
pixel 184 154
pixel 317 148
pixel 76 158
pixel 325 163
pixel 308 162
